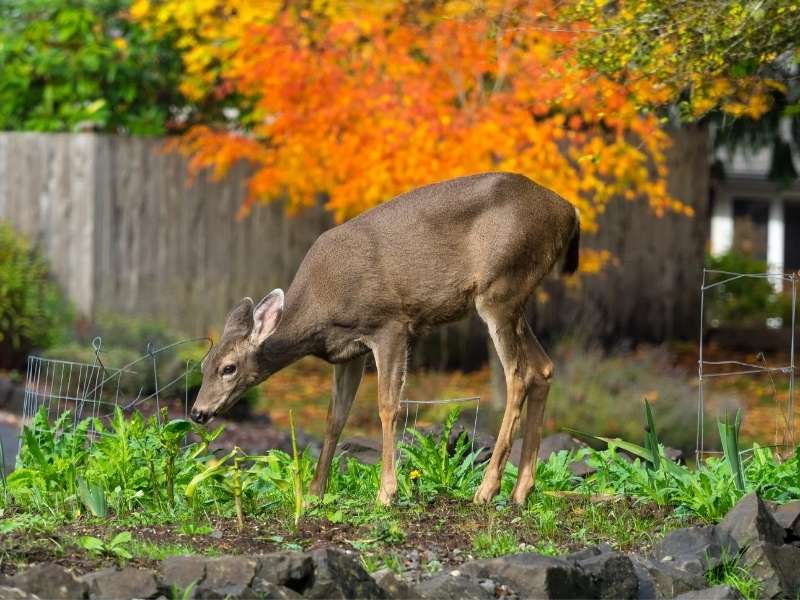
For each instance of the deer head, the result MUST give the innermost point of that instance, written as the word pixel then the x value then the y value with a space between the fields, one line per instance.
pixel 234 364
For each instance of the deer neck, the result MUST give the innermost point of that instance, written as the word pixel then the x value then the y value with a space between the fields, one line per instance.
pixel 293 339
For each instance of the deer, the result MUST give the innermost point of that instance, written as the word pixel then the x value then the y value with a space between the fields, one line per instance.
pixel 378 281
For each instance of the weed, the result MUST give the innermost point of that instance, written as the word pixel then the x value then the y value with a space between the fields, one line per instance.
pixel 492 544
pixel 731 573
pixel 118 546
pixel 154 551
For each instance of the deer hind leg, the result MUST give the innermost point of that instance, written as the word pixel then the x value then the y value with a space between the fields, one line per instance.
pixel 346 379
pixel 542 368
pixel 524 363
pixel 390 349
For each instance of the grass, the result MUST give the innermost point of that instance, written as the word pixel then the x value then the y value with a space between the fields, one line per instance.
pixel 732 574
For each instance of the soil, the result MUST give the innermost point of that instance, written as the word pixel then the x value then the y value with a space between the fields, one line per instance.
pixel 438 536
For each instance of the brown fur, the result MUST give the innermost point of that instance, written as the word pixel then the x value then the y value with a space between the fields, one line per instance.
pixel 376 282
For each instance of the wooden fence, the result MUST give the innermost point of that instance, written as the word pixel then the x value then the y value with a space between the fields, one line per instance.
pixel 125 232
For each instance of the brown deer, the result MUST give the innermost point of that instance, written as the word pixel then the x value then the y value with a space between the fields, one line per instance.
pixel 379 280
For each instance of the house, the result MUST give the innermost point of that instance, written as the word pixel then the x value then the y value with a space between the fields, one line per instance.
pixel 754 214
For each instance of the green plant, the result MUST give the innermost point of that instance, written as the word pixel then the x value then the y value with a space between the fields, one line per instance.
pixel 730 572
pixel 439 471
pixel 297 479
pixel 33 312
pixel 171 435
pixel 493 543
pixel 93 497
pixel 742 301
pixel 729 434
pixel 118 546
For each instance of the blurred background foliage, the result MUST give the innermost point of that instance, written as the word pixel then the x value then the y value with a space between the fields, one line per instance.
pixel 83 65
pixel 34 313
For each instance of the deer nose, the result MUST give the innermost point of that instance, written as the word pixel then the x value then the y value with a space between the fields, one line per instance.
pixel 199 416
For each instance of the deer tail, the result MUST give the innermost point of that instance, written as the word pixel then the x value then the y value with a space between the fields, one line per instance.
pixel 572 255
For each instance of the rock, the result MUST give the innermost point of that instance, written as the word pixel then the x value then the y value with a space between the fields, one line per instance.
pixel 534 575
pixel 695 549
pixel 777 567
pixel 658 579
pixel 365 450
pixel 612 573
pixel 748 522
pixel 394 586
pixel 12 396
pixel 227 576
pixel 788 517
pixel 182 571
pixel 673 454
pixel 288 569
pixel 719 592
pixel 49 580
pixel 340 575
pixel 12 593
pixel 263 589
pixel 453 587
pixel 119 584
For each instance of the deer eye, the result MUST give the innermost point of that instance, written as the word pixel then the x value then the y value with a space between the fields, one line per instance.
pixel 229 369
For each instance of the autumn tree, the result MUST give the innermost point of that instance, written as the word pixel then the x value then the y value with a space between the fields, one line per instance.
pixel 730 63
pixel 361 101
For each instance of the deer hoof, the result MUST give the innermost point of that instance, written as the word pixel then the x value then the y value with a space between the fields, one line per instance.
pixel 385 498
pixel 520 497
pixel 485 494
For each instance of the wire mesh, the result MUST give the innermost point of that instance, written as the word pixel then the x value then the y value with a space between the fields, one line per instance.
pixel 96 390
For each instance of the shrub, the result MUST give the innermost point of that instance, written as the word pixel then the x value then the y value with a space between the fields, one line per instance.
pixel 742 301
pixel 78 64
pixel 33 311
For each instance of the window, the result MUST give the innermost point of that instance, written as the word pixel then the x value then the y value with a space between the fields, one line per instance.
pixel 750 216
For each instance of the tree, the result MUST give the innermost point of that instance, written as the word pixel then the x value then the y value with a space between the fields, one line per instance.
pixel 704 54
pixel 730 63
pixel 361 101
pixel 78 64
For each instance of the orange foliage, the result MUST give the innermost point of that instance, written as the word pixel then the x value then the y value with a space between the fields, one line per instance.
pixel 364 100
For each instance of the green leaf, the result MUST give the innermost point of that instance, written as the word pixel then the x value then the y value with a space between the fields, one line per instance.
pixel 208 472
pixel 92 544
pixel 123 537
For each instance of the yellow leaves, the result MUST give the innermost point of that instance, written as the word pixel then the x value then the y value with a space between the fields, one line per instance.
pixel 140 9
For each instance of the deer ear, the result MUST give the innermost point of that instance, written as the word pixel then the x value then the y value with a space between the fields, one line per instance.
pixel 266 316
pixel 240 320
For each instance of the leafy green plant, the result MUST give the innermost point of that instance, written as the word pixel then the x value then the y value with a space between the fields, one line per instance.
pixel 745 300
pixel 439 471
pixel 93 497
pixel 34 314
pixel 118 546
pixel 171 435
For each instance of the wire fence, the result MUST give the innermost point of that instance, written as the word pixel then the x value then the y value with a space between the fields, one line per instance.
pixel 711 369
pixel 97 390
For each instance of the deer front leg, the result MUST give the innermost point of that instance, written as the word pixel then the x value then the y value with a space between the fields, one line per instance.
pixel 390 350
pixel 346 379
